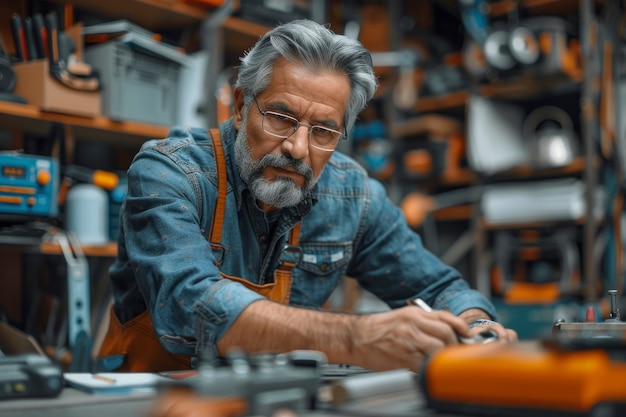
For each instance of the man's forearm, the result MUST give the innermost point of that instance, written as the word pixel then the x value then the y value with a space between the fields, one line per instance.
pixel 265 326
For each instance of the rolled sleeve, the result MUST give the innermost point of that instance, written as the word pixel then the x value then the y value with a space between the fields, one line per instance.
pixel 223 303
pixel 458 298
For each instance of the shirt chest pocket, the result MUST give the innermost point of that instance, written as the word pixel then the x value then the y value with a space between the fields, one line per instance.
pixel 325 258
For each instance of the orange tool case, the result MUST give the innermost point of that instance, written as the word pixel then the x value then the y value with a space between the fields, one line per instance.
pixel 528 378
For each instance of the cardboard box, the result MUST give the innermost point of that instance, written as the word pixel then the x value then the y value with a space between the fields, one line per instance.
pixel 39 88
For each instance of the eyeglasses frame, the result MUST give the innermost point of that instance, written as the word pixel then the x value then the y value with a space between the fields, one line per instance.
pixel 342 136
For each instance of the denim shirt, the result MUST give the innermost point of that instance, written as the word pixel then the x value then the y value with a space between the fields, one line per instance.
pixel 349 228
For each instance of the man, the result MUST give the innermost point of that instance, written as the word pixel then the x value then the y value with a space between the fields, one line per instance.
pixel 241 250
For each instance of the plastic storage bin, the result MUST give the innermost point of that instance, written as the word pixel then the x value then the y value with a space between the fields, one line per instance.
pixel 135 85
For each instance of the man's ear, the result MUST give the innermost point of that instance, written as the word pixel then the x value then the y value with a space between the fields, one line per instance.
pixel 238 104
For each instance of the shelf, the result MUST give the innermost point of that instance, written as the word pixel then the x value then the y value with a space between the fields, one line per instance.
pixel 28 118
pixel 455 213
pixel 244 27
pixel 151 14
pixel 241 35
pixel 108 250
pixel 576 167
pixel 449 101
pixel 518 88
pixel 531 225
pixel 526 87
pixel 554 7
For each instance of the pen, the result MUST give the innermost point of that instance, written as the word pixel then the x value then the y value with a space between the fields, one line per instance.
pixel 421 304
pixel 105 379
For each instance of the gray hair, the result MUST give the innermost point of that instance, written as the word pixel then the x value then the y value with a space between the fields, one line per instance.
pixel 318 48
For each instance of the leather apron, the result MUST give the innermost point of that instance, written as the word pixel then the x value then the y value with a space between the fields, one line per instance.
pixel 136 339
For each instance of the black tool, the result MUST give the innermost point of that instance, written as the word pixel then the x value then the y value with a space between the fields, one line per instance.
pixel 19 39
pixel 40 35
pixel 52 29
pixel 7 73
pixel 8 77
pixel 58 45
pixel 29 36
pixel 29 376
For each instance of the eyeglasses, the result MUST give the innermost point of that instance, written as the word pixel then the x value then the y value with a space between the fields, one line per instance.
pixel 282 126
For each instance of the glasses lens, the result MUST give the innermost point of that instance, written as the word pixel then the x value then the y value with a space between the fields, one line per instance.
pixel 279 124
pixel 324 138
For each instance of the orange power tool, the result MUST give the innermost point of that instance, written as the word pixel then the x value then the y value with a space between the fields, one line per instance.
pixel 528 378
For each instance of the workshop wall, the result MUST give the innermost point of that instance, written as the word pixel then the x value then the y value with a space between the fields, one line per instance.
pixel 494 127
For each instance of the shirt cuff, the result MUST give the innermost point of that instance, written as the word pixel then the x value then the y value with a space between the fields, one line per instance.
pixel 470 299
pixel 482 322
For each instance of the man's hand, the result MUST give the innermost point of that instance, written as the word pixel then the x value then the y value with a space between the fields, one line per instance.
pixel 402 338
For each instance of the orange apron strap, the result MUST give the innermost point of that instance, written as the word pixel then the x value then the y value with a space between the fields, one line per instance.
pixel 215 235
pixel 294 236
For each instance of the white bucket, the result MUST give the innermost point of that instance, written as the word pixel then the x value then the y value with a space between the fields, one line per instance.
pixel 87 214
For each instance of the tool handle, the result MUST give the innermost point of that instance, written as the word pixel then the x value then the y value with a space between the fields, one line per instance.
pixel 41 35
pixel 29 34
pixel 18 37
pixel 52 28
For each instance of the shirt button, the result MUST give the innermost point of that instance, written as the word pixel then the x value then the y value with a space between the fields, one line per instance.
pixel 263 238
pixel 324 267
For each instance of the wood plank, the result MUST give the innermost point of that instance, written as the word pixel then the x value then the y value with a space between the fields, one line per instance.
pixel 151 14
pixel 31 119
pixel 108 250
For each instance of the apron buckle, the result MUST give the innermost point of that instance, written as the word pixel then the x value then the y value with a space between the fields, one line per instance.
pixel 290 255
pixel 218 252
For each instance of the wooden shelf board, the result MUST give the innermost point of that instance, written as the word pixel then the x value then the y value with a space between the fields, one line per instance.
pixel 240 35
pixel 444 102
pixel 576 167
pixel 527 87
pixel 107 250
pixel 29 118
pixel 531 225
pixel 244 27
pixel 151 14
pixel 554 7
pixel 462 212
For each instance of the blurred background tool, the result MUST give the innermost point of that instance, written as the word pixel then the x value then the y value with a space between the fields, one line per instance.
pixel 74 174
pixel 366 386
pixel 29 376
pixel 526 378
pixel 28 184
pixel 594 332
pixel 264 383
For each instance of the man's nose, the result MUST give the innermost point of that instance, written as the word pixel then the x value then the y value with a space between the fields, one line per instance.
pixel 298 144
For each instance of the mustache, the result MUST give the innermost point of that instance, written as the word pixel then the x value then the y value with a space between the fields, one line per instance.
pixel 281 161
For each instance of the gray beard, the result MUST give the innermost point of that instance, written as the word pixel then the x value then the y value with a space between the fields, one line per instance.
pixel 282 191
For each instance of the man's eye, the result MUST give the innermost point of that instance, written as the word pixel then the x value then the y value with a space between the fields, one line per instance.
pixel 323 132
pixel 280 118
